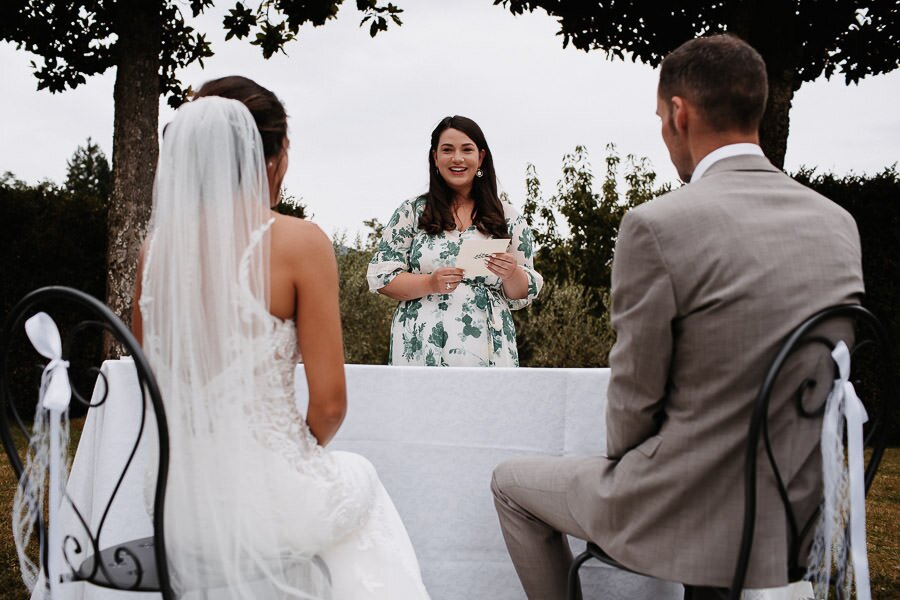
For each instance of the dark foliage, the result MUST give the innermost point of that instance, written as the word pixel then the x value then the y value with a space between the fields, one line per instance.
pixel 800 40
pixel 291 206
pixel 50 237
pixel 148 43
pixel 579 248
pixel 88 172
pixel 75 40
pixel 56 236
pixel 875 204
pixel 856 37
pixel 365 317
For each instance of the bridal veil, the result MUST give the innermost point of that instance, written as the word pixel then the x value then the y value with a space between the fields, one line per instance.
pixel 208 335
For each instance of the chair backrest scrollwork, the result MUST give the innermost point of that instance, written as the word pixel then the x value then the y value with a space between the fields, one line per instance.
pixel 82 316
pixel 865 332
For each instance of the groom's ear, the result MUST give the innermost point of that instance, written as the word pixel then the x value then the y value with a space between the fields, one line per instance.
pixel 680 113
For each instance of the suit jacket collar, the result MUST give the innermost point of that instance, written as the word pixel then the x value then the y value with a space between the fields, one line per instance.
pixel 743 162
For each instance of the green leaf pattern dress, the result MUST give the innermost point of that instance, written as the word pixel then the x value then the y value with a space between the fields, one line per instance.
pixel 469 327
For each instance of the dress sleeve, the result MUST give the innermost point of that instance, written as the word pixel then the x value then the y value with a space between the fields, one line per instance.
pixel 392 252
pixel 522 247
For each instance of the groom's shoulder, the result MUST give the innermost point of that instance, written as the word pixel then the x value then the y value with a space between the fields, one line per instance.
pixel 759 180
pixel 665 206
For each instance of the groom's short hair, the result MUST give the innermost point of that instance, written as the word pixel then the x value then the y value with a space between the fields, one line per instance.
pixel 723 76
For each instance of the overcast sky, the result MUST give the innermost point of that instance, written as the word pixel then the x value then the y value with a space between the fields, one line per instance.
pixel 362 109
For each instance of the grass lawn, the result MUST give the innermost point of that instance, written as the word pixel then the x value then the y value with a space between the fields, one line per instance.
pixel 883 528
pixel 11 586
pixel 882 524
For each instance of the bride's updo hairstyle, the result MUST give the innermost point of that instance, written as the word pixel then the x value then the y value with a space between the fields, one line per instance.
pixel 488 214
pixel 266 108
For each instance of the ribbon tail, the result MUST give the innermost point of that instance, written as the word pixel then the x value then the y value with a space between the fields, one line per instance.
pixel 53 532
pixel 58 391
pixel 856 415
pixel 832 461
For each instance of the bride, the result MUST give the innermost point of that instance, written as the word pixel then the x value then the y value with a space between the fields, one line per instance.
pixel 229 295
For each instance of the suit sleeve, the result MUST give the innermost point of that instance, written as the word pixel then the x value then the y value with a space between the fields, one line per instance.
pixel 642 312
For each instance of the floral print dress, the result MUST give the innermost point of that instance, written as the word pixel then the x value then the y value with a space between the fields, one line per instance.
pixel 469 327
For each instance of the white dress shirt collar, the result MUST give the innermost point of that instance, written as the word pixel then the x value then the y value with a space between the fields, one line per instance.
pixel 724 152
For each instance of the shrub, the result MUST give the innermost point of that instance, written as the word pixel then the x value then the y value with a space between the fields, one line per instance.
pixel 365 317
pixel 874 202
pixel 50 237
pixel 559 330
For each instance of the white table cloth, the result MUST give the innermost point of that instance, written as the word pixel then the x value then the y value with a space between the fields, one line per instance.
pixel 433 434
pixel 106 442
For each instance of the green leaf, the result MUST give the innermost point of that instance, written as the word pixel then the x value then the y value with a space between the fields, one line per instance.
pixel 468 329
pixel 438 335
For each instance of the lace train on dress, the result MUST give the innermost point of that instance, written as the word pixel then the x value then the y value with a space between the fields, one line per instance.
pixel 376 560
pixel 364 543
pixel 330 504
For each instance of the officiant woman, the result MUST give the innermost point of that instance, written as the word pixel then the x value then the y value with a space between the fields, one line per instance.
pixel 444 316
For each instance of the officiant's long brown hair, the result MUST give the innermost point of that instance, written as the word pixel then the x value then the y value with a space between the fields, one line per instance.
pixel 487 215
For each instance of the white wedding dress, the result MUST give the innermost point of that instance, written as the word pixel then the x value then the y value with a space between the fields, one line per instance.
pixel 325 504
pixel 254 507
pixel 334 498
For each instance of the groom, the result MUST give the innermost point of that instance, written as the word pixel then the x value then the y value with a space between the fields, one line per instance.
pixel 707 282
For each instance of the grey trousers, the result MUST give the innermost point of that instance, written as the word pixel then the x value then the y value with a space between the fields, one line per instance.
pixel 530 496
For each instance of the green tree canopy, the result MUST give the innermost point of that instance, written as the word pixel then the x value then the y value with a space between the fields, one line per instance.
pixel 88 172
pixel 147 42
pixel 76 39
pixel 580 250
pixel 800 40
pixel 291 206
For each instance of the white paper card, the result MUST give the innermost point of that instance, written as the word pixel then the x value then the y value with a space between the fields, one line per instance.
pixel 473 254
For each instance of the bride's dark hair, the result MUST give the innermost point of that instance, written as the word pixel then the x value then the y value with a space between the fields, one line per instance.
pixel 266 108
pixel 487 215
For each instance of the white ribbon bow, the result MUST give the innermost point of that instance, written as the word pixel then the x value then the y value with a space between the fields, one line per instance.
pixel 843 401
pixel 44 335
pixel 56 392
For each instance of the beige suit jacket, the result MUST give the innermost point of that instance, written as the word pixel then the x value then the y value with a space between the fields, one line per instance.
pixel 707 282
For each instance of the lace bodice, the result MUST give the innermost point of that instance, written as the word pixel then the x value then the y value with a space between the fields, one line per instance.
pixel 276 421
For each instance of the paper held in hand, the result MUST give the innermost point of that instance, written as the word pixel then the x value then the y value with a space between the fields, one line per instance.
pixel 473 256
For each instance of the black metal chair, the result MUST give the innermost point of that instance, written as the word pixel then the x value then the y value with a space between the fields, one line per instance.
pixel 869 334
pixel 136 565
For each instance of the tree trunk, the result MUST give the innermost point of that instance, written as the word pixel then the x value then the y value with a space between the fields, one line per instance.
pixel 135 149
pixel 773 131
pixel 768 26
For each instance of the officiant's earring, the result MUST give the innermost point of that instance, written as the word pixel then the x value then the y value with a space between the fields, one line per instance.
pixel 479 173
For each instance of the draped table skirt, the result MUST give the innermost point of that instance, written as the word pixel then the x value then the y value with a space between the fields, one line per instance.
pixel 434 435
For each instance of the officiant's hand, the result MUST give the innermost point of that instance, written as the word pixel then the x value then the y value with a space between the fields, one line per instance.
pixel 445 279
pixel 512 278
pixel 502 264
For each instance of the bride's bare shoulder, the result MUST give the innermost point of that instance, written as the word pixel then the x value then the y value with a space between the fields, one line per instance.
pixel 297 238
